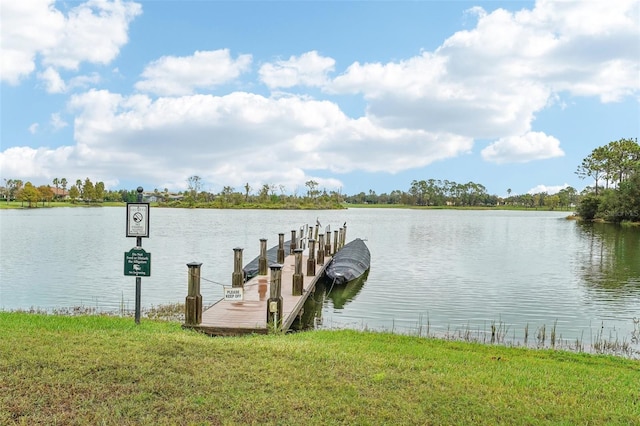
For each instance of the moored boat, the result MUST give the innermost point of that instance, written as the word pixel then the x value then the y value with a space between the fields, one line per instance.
pixel 349 263
pixel 251 269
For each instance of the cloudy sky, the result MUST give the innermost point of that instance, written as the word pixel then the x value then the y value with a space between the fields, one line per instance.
pixel 358 96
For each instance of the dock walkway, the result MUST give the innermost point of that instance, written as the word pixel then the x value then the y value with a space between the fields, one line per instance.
pixel 226 318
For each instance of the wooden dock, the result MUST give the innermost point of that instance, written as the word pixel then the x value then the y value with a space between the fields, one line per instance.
pixel 229 318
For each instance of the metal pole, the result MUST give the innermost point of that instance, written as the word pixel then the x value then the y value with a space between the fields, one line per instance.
pixel 138 279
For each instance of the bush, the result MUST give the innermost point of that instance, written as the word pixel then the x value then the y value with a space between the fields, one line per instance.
pixel 588 207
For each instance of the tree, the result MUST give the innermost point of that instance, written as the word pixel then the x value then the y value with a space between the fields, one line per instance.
pixel 247 188
pixel 29 194
pixel 56 182
pixel 594 166
pixel 88 190
pixel 552 201
pixel 99 191
pixel 588 207
pixel 63 183
pixel 74 193
pixel 312 188
pixel 8 185
pixel 45 194
pixel 194 183
pixel 80 188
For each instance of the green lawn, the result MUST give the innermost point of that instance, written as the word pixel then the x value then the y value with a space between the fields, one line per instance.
pixel 105 370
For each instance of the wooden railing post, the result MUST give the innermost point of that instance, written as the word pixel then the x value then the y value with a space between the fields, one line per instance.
pixel 321 249
pixel 262 260
pixel 193 302
pixel 237 277
pixel 281 248
pixel 327 246
pixel 298 278
pixel 274 304
pixel 335 241
pixel 293 245
pixel 344 235
pixel 311 260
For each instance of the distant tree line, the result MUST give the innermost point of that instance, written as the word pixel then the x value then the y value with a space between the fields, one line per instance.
pixel 614 196
pixel 615 170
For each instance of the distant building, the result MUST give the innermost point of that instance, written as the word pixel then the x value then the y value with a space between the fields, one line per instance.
pixel 59 193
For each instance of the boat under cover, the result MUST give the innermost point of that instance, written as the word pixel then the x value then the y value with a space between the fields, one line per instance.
pixel 349 263
pixel 251 269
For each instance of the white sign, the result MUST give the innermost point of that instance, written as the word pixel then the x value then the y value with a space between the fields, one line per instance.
pixel 138 220
pixel 234 293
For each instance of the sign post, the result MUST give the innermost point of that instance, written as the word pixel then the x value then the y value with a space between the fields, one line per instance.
pixel 137 262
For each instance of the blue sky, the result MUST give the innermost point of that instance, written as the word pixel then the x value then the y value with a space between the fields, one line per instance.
pixel 358 96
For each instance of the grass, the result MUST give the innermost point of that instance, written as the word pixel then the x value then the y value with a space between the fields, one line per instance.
pixel 93 369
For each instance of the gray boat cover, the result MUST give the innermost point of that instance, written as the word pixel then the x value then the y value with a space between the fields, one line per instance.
pixel 349 263
pixel 251 269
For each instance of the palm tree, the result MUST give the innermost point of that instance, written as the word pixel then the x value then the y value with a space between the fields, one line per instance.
pixel 63 183
pixel 56 182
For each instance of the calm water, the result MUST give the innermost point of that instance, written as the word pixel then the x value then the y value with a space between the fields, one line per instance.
pixel 451 270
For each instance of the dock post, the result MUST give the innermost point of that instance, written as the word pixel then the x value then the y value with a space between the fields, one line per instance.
pixel 310 233
pixel 341 238
pixel 293 245
pixel 320 249
pixel 344 234
pixel 262 260
pixel 298 278
pixel 237 278
pixel 327 246
pixel 315 234
pixel 274 304
pixel 193 302
pixel 301 245
pixel 335 241
pixel 281 248
pixel 311 260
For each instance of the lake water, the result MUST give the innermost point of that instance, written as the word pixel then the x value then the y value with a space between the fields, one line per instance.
pixel 445 271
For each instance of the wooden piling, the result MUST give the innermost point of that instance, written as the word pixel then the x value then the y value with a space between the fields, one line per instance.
pixel 344 235
pixel 320 249
pixel 292 245
pixel 335 241
pixel 280 248
pixel 327 246
pixel 311 260
pixel 237 277
pixel 262 260
pixel 274 304
pixel 193 302
pixel 298 278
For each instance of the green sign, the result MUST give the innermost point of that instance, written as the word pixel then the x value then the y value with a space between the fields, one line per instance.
pixel 137 263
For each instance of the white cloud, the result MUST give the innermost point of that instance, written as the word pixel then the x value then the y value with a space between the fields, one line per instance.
pixel 521 149
pixel 29 163
pixel 308 69
pixel 93 32
pixel 549 189
pixel 173 75
pixel 489 82
pixel 57 122
pixel 52 80
pixel 240 137
pixel 33 128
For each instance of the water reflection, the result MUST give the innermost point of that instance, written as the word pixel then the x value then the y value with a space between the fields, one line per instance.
pixel 326 293
pixel 609 262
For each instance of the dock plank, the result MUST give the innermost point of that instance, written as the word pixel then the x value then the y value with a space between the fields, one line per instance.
pixel 225 317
